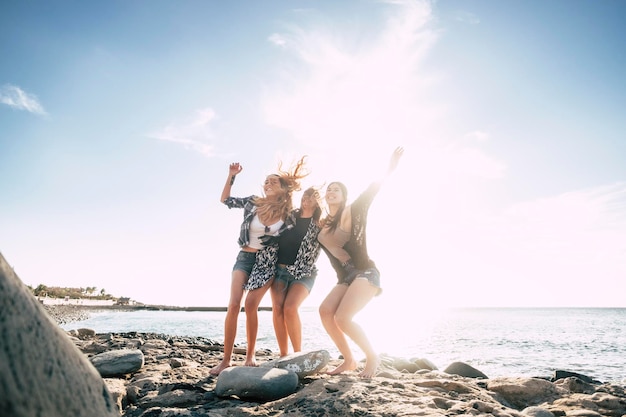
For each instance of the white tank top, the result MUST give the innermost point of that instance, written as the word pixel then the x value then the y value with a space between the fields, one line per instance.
pixel 258 229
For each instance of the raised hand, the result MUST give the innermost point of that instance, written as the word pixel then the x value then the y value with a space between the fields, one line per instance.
pixel 234 168
pixel 395 158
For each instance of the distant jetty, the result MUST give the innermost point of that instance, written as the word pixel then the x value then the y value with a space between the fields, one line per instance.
pixel 92 304
pixel 153 307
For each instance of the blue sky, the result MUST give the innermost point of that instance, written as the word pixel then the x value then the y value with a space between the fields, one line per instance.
pixel 118 121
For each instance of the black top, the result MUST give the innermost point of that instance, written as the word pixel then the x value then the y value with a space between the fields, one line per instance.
pixel 290 240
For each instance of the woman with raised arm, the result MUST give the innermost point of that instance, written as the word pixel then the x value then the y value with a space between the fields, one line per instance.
pixel 343 238
pixel 263 218
pixel 295 273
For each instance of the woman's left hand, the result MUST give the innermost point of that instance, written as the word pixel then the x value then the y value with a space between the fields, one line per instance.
pixel 395 158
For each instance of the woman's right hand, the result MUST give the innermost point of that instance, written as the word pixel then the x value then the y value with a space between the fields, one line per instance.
pixel 234 169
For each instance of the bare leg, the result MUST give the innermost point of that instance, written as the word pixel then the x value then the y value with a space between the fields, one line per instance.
pixel 327 310
pixel 359 293
pixel 253 300
pixel 238 280
pixel 278 293
pixel 295 296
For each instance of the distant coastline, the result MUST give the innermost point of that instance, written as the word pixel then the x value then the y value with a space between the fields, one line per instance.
pixel 91 304
pixel 153 307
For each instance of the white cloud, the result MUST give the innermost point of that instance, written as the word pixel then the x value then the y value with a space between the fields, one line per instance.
pixel 193 133
pixel 278 40
pixel 17 98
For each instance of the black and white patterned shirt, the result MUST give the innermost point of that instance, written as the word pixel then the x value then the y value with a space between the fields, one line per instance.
pixel 304 265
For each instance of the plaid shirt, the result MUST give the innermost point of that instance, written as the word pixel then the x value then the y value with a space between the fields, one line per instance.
pixel 249 210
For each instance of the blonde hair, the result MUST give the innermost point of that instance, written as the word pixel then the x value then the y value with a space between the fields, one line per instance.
pixel 281 205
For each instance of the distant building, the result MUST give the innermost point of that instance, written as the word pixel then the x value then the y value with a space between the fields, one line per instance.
pixel 123 301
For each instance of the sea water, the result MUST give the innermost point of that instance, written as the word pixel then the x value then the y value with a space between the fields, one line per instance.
pixel 497 341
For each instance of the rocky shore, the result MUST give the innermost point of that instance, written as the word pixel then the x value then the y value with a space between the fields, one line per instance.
pixel 168 376
pixel 63 314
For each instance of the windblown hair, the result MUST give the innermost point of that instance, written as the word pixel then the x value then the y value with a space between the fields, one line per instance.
pixel 281 205
pixel 333 221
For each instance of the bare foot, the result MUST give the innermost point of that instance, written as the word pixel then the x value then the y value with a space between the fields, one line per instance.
pixel 371 366
pixel 220 367
pixel 250 362
pixel 345 366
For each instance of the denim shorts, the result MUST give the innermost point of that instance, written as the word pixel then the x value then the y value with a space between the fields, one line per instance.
pixel 371 274
pixel 245 262
pixel 282 274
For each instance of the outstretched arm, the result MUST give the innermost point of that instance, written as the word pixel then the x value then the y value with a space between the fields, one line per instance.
pixel 393 162
pixel 233 170
pixel 395 159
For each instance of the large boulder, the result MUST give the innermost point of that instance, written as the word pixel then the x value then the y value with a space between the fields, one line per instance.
pixel 256 383
pixel 41 371
pixel 303 364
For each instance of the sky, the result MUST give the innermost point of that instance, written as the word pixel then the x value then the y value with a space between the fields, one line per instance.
pixel 118 121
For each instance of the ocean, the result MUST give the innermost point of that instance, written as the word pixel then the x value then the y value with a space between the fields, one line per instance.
pixel 497 341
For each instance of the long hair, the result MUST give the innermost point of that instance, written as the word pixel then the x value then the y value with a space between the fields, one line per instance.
pixel 281 205
pixel 333 221
pixel 317 213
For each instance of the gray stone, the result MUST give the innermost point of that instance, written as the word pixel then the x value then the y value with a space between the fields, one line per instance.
pixel 256 383
pixel 403 365
pixel 118 362
pixel 303 364
pixel 176 398
pixel 537 412
pixel 86 333
pixel 424 363
pixel 463 369
pixel 41 371
pixel 560 374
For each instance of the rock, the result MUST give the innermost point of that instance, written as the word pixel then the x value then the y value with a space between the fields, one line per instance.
pixel 537 412
pixel 573 384
pixel 118 362
pixel 256 383
pixel 523 392
pixel 175 398
pixel 163 389
pixel 85 333
pixel 404 365
pixel 463 369
pixel 303 364
pixel 117 388
pixel 424 363
pixel 41 371
pixel 560 374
